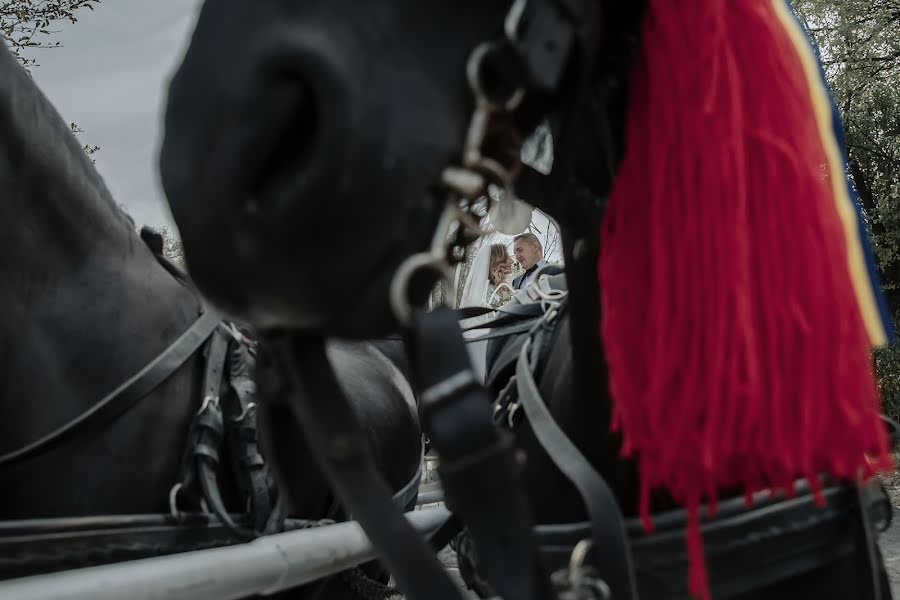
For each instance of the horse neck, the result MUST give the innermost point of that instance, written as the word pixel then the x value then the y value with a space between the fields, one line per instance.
pixel 50 189
pixel 84 303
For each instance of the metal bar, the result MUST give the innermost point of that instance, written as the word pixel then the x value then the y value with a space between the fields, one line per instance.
pixel 264 566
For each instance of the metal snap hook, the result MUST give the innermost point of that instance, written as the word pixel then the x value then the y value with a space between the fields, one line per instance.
pixel 207 402
pixel 580 578
pixel 250 408
pixel 173 502
pixel 495 416
pixel 513 409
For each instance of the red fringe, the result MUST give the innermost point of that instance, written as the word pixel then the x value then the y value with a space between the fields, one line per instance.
pixel 737 351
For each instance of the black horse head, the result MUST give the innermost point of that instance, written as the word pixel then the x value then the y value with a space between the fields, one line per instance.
pixel 308 144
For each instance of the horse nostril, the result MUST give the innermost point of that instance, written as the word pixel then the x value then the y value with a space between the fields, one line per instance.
pixel 282 142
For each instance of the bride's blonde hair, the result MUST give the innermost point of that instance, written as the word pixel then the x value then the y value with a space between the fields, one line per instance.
pixel 498 255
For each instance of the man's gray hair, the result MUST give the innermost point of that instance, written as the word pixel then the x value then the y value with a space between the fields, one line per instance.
pixel 528 237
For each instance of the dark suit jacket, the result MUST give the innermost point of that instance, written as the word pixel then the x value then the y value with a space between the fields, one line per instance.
pixel 549 269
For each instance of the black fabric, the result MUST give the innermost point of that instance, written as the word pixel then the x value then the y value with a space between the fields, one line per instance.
pixel 126 395
pixel 478 470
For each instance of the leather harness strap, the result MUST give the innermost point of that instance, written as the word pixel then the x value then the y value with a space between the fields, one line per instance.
pixel 231 417
pixel 340 447
pixel 126 395
pixel 206 435
pixel 610 540
pixel 478 469
pixel 250 468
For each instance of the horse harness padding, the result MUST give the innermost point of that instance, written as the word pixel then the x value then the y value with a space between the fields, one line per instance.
pixel 747 549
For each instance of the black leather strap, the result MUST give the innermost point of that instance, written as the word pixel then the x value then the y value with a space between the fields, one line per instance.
pixel 868 555
pixel 611 545
pixel 240 424
pixel 478 470
pixel 126 395
pixel 339 445
pixel 233 417
pixel 206 435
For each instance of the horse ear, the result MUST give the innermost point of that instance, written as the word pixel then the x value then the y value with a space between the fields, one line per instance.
pixel 153 239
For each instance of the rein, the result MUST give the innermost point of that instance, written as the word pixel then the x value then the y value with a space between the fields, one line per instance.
pixel 129 393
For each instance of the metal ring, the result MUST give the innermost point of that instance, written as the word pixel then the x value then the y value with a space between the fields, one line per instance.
pixel 434 260
pixel 399 290
pixel 473 76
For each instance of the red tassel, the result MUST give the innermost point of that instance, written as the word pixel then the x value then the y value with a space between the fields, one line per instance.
pixel 737 350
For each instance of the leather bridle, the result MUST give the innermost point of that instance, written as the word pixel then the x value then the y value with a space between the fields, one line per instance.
pixel 512 81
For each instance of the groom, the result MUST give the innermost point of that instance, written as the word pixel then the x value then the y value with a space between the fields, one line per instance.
pixel 530 254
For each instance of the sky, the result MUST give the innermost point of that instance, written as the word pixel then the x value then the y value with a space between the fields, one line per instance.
pixel 110 77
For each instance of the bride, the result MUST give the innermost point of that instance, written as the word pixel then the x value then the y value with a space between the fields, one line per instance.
pixel 487 283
